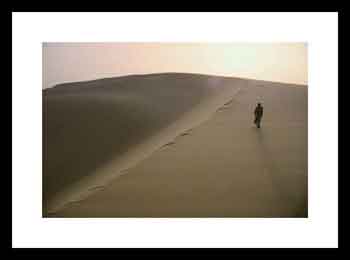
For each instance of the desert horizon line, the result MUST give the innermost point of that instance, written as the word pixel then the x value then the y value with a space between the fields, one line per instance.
pixel 171 73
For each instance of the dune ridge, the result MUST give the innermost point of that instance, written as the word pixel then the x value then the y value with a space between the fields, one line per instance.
pixel 221 91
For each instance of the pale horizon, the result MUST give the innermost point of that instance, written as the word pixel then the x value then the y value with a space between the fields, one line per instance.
pixel 71 62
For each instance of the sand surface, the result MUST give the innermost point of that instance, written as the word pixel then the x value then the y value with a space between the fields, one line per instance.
pixel 222 167
pixel 94 131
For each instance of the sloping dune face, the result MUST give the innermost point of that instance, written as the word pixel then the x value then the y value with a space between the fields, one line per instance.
pixel 223 167
pixel 87 124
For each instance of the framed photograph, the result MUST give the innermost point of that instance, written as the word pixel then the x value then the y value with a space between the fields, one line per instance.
pixel 147 130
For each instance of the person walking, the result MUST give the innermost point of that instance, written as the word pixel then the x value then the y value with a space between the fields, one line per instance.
pixel 258 112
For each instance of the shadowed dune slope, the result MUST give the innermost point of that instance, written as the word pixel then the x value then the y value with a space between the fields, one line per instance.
pixel 86 124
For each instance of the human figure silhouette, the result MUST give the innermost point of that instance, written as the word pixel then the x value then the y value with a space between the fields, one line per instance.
pixel 258 112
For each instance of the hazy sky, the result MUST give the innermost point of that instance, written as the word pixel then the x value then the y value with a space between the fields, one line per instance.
pixel 67 62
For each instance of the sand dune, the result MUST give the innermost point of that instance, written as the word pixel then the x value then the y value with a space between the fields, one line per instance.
pixel 95 130
pixel 174 145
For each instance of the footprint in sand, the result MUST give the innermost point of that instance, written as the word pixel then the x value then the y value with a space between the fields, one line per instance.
pixel 168 144
pixel 96 188
pixel 228 103
pixel 75 201
pixel 223 108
